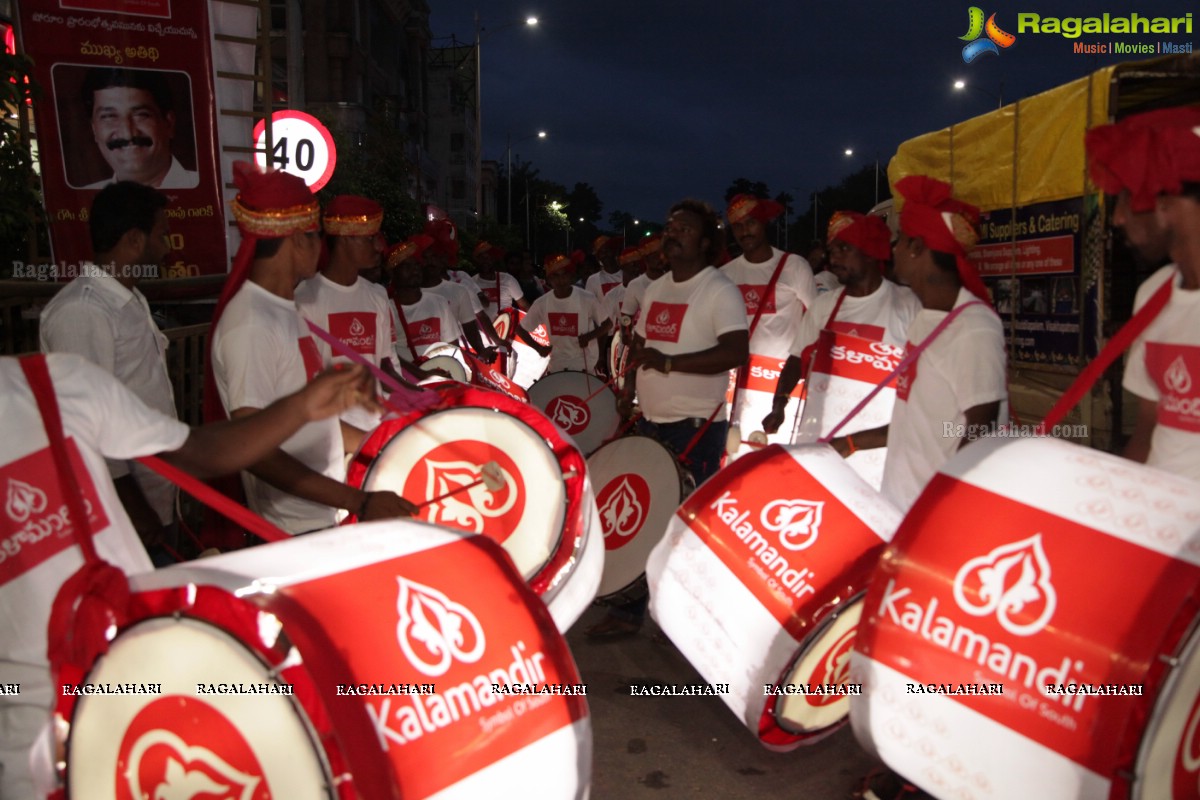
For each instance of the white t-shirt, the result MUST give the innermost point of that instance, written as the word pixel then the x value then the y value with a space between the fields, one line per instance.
pixel 261 351
pixel 566 319
pixel 426 323
pixel 94 316
pixel 882 316
pixel 1164 366
pixel 101 418
pixel 610 304
pixel 685 318
pixel 463 302
pixel 784 305
pixel 631 302
pixel 962 368
pixel 826 281
pixel 601 283
pixel 359 316
pixel 464 279
pixel 507 296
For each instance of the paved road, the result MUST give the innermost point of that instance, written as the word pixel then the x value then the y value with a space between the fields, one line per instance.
pixel 691 747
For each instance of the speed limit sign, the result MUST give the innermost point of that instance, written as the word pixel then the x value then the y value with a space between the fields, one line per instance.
pixel 301 145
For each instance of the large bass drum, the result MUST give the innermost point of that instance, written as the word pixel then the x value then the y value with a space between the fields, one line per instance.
pixel 579 403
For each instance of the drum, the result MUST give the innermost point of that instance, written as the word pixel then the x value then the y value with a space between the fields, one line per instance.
pixel 490 377
pixel 448 357
pixel 361 667
pixel 1031 631
pixel 639 484
pixel 529 364
pixel 544 514
pixel 754 401
pixel 756 583
pixel 618 357
pixel 579 403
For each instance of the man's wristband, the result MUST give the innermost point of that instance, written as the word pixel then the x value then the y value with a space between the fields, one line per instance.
pixel 850 444
pixel 666 365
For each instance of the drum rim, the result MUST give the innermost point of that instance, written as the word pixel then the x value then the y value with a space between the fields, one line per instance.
pixel 548 580
pixel 771 711
pixel 210 606
pixel 614 597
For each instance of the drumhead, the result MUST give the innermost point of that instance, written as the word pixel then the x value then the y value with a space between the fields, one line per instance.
pixel 1168 763
pixel 449 363
pixel 638 487
pixel 822 664
pixel 504 324
pixel 618 355
pixel 564 398
pixel 180 742
pixel 424 458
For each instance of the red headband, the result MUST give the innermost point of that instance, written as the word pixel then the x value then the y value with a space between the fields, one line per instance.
pixel 1148 154
pixel 947 225
pixel 867 232
pixel 747 205
pixel 351 215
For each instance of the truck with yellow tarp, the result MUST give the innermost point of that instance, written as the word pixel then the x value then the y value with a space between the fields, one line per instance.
pixel 1061 279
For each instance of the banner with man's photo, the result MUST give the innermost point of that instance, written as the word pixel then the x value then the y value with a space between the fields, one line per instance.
pixel 127 95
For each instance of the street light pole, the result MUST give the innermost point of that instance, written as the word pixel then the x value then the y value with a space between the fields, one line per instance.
pixel 960 84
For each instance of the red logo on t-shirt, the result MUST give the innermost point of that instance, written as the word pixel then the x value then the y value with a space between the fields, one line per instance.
pixel 356 329
pixel 564 324
pixel 907 377
pixel 755 295
pixel 36 523
pixel 493 294
pixel 179 746
pixel 664 321
pixel 424 331
pixel 605 288
pixel 312 359
pixel 1175 370
pixel 860 329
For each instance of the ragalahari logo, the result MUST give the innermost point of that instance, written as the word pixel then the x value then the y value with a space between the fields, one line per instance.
pixel 996 40
pixel 23 500
pixel 798 522
pixel 1011 582
pixel 833 669
pixel 434 631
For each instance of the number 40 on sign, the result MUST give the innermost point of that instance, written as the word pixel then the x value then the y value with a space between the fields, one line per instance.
pixel 301 145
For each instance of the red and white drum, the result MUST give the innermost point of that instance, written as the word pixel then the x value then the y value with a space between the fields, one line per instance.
pixel 756 583
pixel 491 377
pixel 527 365
pixel 363 667
pixel 638 487
pixel 846 369
pixel 1031 631
pixel 754 402
pixel 579 403
pixel 618 357
pixel 447 357
pixel 544 514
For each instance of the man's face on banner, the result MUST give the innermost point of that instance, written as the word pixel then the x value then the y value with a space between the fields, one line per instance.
pixel 133 134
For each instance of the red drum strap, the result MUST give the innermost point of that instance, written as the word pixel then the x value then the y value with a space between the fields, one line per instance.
pixel 1116 345
pixel 743 374
pixel 96 597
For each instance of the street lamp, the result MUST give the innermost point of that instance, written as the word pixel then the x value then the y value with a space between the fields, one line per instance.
pixel 849 152
pixel 960 85
pixel 508 158
pixel 528 22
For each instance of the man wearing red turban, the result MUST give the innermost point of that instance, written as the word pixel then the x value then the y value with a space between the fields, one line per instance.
pixel 1152 163
pixel 261 349
pixel 346 304
pixel 957 389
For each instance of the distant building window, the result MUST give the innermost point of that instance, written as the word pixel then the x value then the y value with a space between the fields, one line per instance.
pixel 457 142
pixel 458 190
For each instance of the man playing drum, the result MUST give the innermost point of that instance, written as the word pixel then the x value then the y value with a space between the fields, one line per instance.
pixel 609 276
pixel 100 419
pixel 464 301
pixel 422 320
pixel 501 289
pixel 572 318
pixel 1152 163
pixel 776 288
pixel 692 332
pixel 261 349
pixel 959 380
pixel 868 305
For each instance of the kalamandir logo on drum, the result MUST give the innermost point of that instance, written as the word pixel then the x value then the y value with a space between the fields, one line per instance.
pixel 796 525
pixel 444 639
pixel 1010 585
pixel 623 504
pixel 569 413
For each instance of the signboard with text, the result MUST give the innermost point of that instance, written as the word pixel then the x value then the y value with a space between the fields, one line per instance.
pixel 128 95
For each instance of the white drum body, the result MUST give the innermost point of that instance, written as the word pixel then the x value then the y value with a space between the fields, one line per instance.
pixel 527 365
pixel 544 515
pixel 448 357
pixel 579 403
pixel 356 662
pixel 755 580
pixel 1026 570
pixel 756 399
pixel 638 487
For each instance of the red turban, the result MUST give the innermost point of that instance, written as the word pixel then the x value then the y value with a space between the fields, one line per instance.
pixel 747 205
pixel 351 215
pixel 867 232
pixel 947 225
pixel 556 262
pixel 445 238
pixel 1148 154
pixel 412 247
pixel 602 243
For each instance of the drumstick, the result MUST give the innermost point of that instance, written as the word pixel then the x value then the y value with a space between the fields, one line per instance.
pixel 490 475
pixel 607 384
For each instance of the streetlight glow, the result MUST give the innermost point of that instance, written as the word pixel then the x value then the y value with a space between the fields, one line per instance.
pixel 849 151
pixel 541 134
pixel 531 21
pixel 960 84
